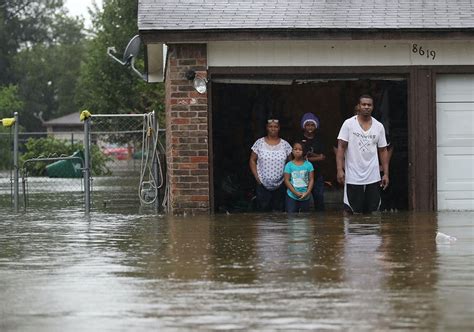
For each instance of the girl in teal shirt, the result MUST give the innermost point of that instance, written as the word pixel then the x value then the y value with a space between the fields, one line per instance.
pixel 299 179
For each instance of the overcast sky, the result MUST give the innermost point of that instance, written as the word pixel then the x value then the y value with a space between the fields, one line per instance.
pixel 79 8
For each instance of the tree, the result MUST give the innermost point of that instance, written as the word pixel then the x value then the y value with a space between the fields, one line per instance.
pixel 9 101
pixel 105 86
pixel 48 73
pixel 41 53
pixel 24 23
pixel 9 104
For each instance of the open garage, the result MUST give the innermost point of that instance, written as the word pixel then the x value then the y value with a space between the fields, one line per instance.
pixel 241 107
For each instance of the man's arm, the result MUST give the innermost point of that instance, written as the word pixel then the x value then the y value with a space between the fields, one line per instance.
pixel 384 159
pixel 312 157
pixel 341 150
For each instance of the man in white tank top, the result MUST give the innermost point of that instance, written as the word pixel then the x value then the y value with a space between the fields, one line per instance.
pixel 359 140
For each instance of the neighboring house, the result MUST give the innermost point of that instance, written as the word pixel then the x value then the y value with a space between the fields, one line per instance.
pixel 286 57
pixel 67 127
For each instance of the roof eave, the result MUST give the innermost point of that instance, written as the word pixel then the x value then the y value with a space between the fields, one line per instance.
pixel 206 35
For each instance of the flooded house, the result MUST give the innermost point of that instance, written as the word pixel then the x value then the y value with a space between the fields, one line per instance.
pixel 229 65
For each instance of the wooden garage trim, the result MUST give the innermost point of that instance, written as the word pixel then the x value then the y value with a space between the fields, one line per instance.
pixel 210 149
pixel 422 140
pixel 305 72
pixel 422 134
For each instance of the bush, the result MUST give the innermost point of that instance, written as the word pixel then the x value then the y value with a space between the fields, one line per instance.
pixel 50 147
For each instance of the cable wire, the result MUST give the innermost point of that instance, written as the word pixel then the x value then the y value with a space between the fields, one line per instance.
pixel 148 188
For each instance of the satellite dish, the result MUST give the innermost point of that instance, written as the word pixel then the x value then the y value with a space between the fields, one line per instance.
pixel 129 55
pixel 132 49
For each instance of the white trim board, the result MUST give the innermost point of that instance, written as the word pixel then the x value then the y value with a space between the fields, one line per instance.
pixel 339 53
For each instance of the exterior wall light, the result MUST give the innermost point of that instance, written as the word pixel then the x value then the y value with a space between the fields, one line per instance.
pixel 199 80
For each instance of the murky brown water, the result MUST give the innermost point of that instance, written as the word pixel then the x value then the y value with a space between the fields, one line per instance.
pixel 62 271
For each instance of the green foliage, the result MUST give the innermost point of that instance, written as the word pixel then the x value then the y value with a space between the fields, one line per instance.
pixel 9 104
pixel 9 101
pixel 58 69
pixel 41 53
pixel 47 76
pixel 105 86
pixel 24 23
pixel 50 147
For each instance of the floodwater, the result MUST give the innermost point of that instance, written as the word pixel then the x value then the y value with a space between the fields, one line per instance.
pixel 63 271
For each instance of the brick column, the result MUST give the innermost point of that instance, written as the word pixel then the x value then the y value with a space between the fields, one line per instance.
pixel 186 131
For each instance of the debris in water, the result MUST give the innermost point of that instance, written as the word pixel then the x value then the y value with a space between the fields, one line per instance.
pixel 442 238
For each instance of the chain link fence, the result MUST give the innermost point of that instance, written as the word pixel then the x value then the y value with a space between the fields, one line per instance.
pixel 46 179
pixel 127 142
pixel 123 176
pixel 53 182
pixel 6 167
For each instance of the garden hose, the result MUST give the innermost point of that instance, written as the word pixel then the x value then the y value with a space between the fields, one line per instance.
pixel 148 188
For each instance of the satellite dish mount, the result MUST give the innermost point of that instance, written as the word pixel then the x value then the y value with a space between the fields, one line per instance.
pixel 129 55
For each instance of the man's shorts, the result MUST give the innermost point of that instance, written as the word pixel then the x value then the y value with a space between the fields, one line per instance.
pixel 364 198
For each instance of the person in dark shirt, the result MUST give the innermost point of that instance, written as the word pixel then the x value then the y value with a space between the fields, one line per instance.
pixel 313 150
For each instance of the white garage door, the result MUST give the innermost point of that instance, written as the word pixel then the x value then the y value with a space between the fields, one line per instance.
pixel 455 141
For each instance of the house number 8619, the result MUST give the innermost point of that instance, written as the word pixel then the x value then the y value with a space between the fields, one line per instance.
pixel 418 49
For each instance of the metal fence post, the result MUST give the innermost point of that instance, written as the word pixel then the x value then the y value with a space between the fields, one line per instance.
pixel 87 198
pixel 15 164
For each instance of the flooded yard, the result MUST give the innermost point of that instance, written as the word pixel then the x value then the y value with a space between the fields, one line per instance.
pixel 64 271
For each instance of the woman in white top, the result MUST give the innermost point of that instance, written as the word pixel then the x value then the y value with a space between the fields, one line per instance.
pixel 267 162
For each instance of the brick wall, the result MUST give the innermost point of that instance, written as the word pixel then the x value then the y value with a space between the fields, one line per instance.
pixel 186 131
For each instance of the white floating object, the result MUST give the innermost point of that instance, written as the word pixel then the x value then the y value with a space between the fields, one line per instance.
pixel 442 238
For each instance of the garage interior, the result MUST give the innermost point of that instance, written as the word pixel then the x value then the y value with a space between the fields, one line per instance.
pixel 240 109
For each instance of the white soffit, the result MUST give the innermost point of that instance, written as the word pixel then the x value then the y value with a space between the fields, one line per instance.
pixel 156 62
pixel 340 53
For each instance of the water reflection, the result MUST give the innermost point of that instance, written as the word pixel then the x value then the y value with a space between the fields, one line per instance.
pixel 410 263
pixel 409 251
pixel 362 239
pixel 234 250
pixel 316 271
